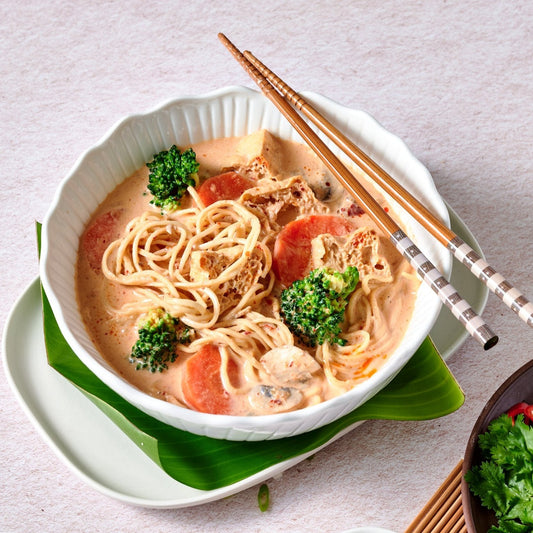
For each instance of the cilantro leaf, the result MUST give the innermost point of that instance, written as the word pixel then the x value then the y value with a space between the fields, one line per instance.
pixel 504 479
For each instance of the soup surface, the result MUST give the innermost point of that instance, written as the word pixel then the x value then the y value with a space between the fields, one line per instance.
pixel 265 213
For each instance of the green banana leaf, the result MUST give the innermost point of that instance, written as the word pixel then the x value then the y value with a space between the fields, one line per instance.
pixel 424 389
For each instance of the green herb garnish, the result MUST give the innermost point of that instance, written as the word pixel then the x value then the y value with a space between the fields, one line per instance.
pixel 504 479
pixel 263 497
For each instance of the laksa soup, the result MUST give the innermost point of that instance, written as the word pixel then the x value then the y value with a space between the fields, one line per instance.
pixel 235 276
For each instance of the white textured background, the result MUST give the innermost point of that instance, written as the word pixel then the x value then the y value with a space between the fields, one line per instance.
pixel 453 79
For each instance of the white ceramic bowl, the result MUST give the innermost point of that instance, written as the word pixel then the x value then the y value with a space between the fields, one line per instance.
pixel 232 111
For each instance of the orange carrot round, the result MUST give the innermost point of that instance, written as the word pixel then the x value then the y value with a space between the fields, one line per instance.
pixel 227 186
pixel 292 250
pixel 202 385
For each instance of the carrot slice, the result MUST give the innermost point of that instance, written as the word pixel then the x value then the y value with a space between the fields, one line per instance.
pixel 292 249
pixel 99 235
pixel 201 384
pixel 227 186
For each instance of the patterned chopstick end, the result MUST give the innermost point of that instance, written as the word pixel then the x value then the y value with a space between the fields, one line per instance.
pixel 496 283
pixel 459 307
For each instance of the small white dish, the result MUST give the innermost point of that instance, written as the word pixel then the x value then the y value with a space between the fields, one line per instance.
pixel 97 451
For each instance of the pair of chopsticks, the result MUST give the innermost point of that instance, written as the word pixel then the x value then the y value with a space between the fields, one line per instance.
pixel 289 103
pixel 443 513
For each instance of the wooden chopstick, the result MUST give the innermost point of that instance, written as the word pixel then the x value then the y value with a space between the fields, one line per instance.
pixel 443 513
pixel 495 282
pixel 473 323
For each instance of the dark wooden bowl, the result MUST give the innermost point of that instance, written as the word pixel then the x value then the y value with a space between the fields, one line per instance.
pixel 517 388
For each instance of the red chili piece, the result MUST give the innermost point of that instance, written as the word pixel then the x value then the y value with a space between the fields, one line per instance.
pixel 521 408
pixel 528 412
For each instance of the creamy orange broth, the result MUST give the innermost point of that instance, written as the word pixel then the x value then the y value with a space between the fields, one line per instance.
pixel 114 336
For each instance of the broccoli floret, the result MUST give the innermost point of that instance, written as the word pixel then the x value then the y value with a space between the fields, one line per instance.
pixel 171 172
pixel 159 334
pixel 313 307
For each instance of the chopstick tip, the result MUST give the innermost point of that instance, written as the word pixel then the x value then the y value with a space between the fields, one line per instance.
pixel 229 45
pixel 491 342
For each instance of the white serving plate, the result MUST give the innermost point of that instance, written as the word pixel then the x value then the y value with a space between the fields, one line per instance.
pixel 232 111
pixel 100 453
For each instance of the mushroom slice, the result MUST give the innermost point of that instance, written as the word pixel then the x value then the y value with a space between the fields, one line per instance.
pixel 289 365
pixel 266 399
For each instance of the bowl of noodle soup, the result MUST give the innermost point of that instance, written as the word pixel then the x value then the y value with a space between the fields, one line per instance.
pixel 109 257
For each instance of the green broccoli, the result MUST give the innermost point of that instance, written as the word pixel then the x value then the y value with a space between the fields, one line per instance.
pixel 171 172
pixel 159 334
pixel 313 307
